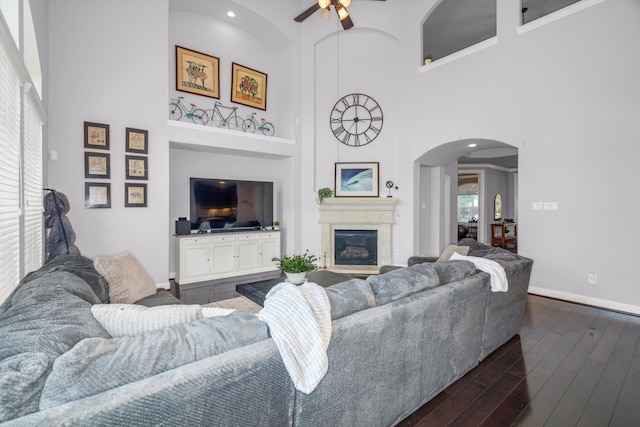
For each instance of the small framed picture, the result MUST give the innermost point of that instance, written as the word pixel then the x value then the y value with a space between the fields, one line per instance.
pixel 136 167
pixel 97 195
pixel 96 135
pixel 137 140
pixel 135 195
pixel 197 72
pixel 248 86
pixel 357 179
pixel 97 165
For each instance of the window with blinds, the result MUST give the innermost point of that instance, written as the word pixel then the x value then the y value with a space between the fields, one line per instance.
pixel 21 178
pixel 9 176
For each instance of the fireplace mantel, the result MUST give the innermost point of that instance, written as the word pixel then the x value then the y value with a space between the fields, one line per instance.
pixel 356 213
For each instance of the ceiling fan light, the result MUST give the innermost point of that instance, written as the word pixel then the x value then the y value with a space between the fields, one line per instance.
pixel 325 13
pixel 324 3
pixel 345 3
pixel 342 12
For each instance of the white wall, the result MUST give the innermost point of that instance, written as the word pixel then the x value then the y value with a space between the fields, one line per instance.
pixel 108 65
pixel 572 119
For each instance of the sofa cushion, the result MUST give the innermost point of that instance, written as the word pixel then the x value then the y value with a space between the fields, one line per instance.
pixel 49 315
pixel 452 271
pixel 161 297
pixel 349 297
pixel 98 364
pixel 21 379
pixel 127 278
pixel 78 265
pixel 449 250
pixel 400 283
pixel 130 319
pixel 46 317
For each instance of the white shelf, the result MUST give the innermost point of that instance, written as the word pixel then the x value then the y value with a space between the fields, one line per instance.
pixel 190 136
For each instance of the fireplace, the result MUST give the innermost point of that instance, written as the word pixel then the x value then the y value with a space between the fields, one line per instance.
pixel 355 247
pixel 367 222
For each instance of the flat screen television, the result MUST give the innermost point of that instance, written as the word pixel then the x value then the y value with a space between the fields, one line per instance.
pixel 228 204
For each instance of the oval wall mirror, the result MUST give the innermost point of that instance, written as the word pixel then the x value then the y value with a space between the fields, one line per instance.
pixel 497 207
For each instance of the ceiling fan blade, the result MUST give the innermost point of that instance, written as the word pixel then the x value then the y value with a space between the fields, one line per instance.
pixel 347 23
pixel 307 13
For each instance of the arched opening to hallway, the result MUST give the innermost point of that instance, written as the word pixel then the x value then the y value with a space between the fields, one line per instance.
pixel 496 165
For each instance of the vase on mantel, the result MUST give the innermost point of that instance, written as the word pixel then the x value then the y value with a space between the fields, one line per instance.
pixel 296 278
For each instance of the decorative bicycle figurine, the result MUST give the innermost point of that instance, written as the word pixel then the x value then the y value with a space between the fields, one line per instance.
pixel 231 120
pixel 177 109
pixel 251 125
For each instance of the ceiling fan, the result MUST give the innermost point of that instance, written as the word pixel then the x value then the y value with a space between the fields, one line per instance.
pixel 340 7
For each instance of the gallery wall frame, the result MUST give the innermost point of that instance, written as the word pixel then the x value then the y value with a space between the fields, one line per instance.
pixel 137 141
pixel 248 86
pixel 97 195
pixel 135 195
pixel 197 72
pixel 357 179
pixel 96 136
pixel 97 165
pixel 136 167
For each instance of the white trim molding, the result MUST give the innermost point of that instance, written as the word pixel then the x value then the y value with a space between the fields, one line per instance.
pixel 460 54
pixel 558 14
pixel 581 299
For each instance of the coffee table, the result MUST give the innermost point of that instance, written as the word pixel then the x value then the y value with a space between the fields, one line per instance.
pixel 256 291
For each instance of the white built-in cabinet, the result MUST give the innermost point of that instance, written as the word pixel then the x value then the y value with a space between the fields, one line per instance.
pixel 202 257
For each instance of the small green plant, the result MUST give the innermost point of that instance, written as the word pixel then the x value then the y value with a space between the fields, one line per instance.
pixel 324 192
pixel 297 263
pixel 428 58
pixel 276 223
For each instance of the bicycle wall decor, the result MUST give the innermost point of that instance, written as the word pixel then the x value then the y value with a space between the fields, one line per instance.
pixel 220 116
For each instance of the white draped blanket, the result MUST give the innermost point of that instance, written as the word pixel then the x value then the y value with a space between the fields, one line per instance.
pixel 496 271
pixel 299 319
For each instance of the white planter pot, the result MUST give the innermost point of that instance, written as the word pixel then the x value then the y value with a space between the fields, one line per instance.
pixel 296 278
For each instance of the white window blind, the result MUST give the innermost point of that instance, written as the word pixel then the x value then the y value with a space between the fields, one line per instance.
pixel 32 186
pixel 9 175
pixel 21 169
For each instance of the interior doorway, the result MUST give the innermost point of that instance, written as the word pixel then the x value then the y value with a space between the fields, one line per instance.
pixel 437 208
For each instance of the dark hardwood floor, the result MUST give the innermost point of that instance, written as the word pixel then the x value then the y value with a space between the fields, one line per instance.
pixel 571 365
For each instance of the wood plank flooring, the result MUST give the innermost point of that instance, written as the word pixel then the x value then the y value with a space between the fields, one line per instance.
pixel 571 365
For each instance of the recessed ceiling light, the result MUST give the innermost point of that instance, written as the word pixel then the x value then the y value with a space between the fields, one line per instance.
pixel 231 14
pixel 472 145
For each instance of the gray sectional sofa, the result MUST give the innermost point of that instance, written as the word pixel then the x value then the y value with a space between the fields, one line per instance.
pixel 398 339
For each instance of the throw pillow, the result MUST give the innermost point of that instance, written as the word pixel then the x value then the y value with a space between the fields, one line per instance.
pixel 128 280
pixel 449 250
pixel 129 319
pixel 97 364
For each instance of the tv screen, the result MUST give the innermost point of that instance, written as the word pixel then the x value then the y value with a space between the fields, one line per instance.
pixel 230 204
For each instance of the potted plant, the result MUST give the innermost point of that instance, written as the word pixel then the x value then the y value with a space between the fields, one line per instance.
pixel 276 225
pixel 324 192
pixel 297 266
pixel 428 59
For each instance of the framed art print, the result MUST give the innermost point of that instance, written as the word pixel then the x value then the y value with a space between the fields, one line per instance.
pixel 97 165
pixel 357 179
pixel 136 167
pixel 137 141
pixel 248 86
pixel 97 195
pixel 135 195
pixel 197 72
pixel 96 135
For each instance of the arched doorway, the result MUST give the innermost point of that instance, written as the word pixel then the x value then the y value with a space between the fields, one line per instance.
pixel 494 163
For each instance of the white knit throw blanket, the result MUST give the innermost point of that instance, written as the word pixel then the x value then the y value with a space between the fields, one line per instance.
pixel 496 271
pixel 299 319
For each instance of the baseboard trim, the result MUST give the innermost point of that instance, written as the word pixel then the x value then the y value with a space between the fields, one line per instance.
pixel 581 299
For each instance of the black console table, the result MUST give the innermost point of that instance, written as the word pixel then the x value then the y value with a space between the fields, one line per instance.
pixel 258 290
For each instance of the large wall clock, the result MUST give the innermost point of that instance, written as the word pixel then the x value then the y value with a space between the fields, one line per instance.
pixel 356 119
